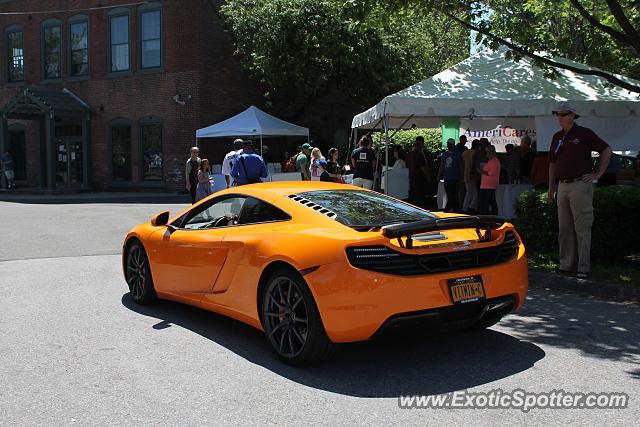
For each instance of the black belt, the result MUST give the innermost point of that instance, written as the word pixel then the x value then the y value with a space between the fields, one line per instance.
pixel 568 181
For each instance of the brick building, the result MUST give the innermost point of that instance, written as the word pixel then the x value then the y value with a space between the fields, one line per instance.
pixel 107 94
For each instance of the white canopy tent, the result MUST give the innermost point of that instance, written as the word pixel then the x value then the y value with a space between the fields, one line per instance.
pixel 488 86
pixel 252 122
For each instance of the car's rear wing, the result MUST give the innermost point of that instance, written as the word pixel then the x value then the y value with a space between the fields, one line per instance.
pixel 479 222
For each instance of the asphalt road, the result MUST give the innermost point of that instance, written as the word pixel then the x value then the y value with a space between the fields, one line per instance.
pixel 74 349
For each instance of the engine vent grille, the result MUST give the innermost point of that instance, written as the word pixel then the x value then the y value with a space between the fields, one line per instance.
pixel 385 260
pixel 312 205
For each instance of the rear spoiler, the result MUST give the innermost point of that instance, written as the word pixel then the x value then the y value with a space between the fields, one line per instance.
pixel 484 222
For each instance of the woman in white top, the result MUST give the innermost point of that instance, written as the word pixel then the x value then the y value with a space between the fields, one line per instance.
pixel 398 154
pixel 316 155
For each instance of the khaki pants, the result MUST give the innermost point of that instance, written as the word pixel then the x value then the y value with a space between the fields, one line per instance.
pixel 575 218
pixel 471 198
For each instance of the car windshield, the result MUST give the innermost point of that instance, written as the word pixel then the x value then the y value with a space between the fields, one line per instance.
pixel 365 208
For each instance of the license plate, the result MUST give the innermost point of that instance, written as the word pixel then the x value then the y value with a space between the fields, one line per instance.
pixel 466 289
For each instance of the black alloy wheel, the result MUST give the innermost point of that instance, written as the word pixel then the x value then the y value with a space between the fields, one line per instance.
pixel 138 275
pixel 292 322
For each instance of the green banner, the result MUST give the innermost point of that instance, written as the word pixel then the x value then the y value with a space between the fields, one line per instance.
pixel 450 129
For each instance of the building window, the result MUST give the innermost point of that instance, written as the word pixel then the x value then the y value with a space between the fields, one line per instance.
pixel 119 37
pixel 151 141
pixel 79 45
pixel 150 38
pixel 15 45
pixel 52 51
pixel 121 151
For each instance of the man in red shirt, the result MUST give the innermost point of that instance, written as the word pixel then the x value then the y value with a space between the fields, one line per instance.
pixel 570 164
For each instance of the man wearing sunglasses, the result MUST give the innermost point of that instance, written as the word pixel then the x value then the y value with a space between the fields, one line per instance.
pixel 570 166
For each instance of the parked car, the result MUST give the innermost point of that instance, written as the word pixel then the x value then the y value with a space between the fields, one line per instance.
pixel 317 264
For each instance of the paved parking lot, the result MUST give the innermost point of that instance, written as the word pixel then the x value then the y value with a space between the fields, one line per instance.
pixel 75 349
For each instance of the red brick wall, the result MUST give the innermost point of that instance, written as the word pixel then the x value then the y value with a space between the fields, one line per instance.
pixel 198 66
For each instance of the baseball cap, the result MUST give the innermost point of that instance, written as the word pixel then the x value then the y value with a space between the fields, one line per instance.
pixel 306 146
pixel 566 106
pixel 238 141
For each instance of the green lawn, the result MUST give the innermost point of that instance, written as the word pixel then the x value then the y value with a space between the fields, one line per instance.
pixel 626 271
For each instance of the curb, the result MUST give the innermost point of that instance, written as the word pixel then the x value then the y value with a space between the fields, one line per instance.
pixel 96 197
pixel 587 287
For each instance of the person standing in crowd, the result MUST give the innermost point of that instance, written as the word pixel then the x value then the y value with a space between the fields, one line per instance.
pixel 540 171
pixel 205 181
pixel 316 155
pixel 461 146
pixel 471 178
pixel 333 167
pixel 191 173
pixel 266 154
pixel 302 162
pixel 230 160
pixel 418 173
pixel 570 164
pixel 363 160
pixel 6 160
pixel 527 154
pixel 322 170
pixel 398 155
pixel 487 204
pixel 512 161
pixel 249 167
pixel 450 171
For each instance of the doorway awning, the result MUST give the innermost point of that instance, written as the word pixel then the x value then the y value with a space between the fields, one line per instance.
pixel 32 101
pixel 47 105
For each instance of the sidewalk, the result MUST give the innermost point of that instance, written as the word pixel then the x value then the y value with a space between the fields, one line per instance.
pixel 629 292
pixel 94 197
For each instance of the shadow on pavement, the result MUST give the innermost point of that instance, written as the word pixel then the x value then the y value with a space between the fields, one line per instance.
pixel 423 366
pixel 597 328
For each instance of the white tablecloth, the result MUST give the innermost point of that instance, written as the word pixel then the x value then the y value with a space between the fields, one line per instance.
pixel 506 196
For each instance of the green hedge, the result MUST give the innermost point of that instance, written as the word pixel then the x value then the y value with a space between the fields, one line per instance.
pixel 406 137
pixel 615 228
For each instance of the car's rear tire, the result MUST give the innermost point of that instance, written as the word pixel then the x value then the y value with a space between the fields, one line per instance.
pixel 291 320
pixel 138 275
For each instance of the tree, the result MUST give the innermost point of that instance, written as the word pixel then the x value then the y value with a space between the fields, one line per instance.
pixel 302 49
pixel 603 34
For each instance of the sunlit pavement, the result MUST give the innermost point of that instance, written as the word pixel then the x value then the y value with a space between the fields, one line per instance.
pixel 75 349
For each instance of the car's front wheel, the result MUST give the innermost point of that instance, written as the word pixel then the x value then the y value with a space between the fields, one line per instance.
pixel 292 322
pixel 138 275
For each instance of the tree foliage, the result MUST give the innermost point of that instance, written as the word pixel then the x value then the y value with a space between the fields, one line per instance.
pixel 301 49
pixel 600 33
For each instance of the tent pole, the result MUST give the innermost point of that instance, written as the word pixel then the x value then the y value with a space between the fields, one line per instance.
pixel 386 154
pixel 261 144
pixel 355 142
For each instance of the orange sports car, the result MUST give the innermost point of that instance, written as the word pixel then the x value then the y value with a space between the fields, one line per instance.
pixel 315 264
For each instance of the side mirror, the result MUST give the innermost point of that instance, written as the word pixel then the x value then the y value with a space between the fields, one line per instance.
pixel 159 219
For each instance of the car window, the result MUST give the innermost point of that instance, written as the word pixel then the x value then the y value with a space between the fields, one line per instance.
pixel 236 210
pixel 365 208
pixel 220 213
pixel 255 210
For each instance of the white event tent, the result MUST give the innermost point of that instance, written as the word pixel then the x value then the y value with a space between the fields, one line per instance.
pixel 488 89
pixel 252 122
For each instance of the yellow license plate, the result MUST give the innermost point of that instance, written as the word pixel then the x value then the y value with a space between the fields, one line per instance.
pixel 466 289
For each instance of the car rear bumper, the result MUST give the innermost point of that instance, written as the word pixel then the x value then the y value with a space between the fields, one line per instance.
pixel 357 304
